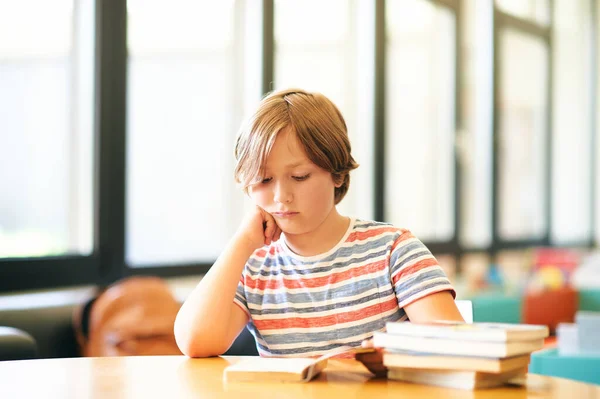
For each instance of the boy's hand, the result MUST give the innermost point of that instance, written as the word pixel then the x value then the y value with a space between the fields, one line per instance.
pixel 373 361
pixel 259 228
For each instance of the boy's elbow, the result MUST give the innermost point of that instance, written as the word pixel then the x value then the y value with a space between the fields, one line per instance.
pixel 198 349
pixel 197 344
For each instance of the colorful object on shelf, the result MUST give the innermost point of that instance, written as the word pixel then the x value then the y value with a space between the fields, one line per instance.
pixel 576 367
pixel 497 308
pixel 589 299
pixel 588 325
pixel 552 268
pixel 550 307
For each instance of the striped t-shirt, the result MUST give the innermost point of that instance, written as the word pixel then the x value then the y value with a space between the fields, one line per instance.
pixel 306 306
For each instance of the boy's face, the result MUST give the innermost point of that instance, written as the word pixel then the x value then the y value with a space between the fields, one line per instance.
pixel 298 193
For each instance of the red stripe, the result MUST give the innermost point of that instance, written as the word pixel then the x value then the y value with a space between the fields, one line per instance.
pixel 278 282
pixel 406 235
pixel 325 321
pixel 408 270
pixel 261 253
pixel 363 235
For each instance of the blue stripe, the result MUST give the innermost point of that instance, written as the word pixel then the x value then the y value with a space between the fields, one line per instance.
pixel 352 287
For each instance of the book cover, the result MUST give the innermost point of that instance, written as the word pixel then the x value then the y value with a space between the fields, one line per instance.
pixel 419 360
pixel 467 380
pixel 454 346
pixel 496 332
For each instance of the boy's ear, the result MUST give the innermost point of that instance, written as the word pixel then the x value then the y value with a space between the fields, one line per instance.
pixel 338 180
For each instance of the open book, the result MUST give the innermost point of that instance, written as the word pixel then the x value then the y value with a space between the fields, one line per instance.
pixel 277 369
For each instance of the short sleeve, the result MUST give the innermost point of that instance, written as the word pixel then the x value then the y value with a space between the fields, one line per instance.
pixel 240 295
pixel 415 273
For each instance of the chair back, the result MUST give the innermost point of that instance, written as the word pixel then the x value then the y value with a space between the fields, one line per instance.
pixel 466 310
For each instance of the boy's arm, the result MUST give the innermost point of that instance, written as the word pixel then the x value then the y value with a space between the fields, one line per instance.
pixel 437 306
pixel 209 321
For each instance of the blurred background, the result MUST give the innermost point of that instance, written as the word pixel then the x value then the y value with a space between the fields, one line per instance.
pixel 474 122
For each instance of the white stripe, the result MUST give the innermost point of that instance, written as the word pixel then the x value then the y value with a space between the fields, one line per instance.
pixel 305 305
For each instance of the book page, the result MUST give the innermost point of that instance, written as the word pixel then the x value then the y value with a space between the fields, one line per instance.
pixel 272 364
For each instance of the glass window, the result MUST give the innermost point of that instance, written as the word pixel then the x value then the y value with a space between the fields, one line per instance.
pixel 475 138
pixel 185 104
pixel 597 129
pixel 534 10
pixel 420 118
pixel 328 58
pixel 523 133
pixel 572 122
pixel 46 127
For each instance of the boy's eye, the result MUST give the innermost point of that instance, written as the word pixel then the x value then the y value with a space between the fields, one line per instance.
pixel 301 178
pixel 266 180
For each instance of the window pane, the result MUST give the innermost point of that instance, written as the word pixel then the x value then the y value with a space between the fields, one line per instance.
pixel 46 127
pixel 572 117
pixel 329 59
pixel 534 10
pixel 184 108
pixel 522 123
pixel 597 127
pixel 476 134
pixel 420 123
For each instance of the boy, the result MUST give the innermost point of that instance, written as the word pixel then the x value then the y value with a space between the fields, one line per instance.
pixel 311 279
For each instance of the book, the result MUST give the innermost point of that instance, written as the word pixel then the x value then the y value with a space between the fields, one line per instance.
pixel 468 380
pixel 456 347
pixel 497 332
pixel 289 369
pixel 420 360
pixel 263 369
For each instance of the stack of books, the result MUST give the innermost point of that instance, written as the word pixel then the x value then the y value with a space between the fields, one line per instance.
pixel 459 355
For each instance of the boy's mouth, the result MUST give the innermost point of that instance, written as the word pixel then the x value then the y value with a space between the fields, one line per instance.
pixel 286 214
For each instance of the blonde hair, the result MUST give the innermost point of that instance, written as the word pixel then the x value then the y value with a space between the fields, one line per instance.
pixel 316 122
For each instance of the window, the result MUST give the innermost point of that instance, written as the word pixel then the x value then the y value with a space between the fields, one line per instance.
pixel 533 10
pixel 572 122
pixel 475 138
pixel 523 136
pixel 420 120
pixel 185 85
pixel 474 124
pixel 46 128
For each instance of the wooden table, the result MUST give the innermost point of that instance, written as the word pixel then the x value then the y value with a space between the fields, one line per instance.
pixel 179 377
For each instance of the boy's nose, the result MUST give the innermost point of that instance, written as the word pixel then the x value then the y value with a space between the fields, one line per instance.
pixel 282 195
